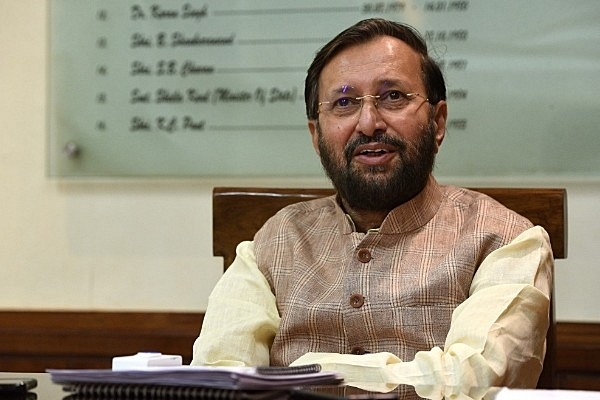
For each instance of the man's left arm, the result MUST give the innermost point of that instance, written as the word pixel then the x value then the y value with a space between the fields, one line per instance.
pixel 496 338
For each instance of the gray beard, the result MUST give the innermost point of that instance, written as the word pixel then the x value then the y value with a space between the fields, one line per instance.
pixel 375 190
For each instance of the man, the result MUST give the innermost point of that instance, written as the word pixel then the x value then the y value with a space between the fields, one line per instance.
pixel 396 279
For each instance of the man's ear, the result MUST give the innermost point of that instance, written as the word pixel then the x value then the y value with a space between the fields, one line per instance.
pixel 440 117
pixel 313 127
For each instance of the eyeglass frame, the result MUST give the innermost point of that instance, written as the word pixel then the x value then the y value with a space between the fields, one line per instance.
pixel 375 97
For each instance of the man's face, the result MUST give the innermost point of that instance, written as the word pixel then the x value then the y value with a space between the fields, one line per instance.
pixel 380 154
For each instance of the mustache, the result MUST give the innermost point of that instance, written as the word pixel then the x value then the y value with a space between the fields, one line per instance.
pixel 379 138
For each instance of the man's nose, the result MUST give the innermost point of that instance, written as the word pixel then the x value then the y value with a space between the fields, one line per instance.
pixel 369 118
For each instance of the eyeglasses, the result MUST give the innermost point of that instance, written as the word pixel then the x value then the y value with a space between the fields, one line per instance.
pixel 392 102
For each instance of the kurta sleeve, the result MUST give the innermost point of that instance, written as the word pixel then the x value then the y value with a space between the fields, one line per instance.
pixel 241 319
pixel 496 338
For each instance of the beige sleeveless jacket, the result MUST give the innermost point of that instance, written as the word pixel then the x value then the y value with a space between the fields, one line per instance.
pixel 391 289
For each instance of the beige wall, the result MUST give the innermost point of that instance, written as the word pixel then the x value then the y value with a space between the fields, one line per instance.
pixel 146 244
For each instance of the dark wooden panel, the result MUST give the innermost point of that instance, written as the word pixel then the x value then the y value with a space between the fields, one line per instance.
pixel 35 340
pixel 580 381
pixel 32 341
pixel 578 356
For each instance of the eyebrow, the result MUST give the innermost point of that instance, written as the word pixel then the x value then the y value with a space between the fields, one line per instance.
pixel 383 85
pixel 344 89
pixel 394 83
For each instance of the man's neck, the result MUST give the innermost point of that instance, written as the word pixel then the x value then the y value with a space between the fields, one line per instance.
pixel 365 219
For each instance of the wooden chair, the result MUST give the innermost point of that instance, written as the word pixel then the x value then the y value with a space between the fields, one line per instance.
pixel 239 212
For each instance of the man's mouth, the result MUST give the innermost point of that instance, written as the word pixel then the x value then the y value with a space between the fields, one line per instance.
pixel 374 153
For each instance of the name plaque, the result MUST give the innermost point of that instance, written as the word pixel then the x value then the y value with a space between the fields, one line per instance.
pixel 182 88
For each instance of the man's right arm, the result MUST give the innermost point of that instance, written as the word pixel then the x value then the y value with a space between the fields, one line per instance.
pixel 241 319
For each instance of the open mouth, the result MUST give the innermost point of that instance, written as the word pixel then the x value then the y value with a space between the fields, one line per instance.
pixel 373 153
pixel 374 149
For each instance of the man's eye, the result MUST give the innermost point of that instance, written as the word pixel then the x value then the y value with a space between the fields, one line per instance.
pixel 395 95
pixel 343 102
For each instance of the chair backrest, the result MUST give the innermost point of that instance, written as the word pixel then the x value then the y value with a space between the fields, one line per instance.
pixel 239 212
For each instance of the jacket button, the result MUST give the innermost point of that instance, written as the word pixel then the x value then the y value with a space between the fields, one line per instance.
pixel 359 351
pixel 357 300
pixel 364 255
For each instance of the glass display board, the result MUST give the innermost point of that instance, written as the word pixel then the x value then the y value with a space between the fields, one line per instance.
pixel 215 88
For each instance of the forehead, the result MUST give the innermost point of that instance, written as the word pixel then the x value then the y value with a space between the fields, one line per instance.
pixel 369 65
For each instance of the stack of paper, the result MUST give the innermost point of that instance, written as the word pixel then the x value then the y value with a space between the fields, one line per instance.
pixel 242 378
